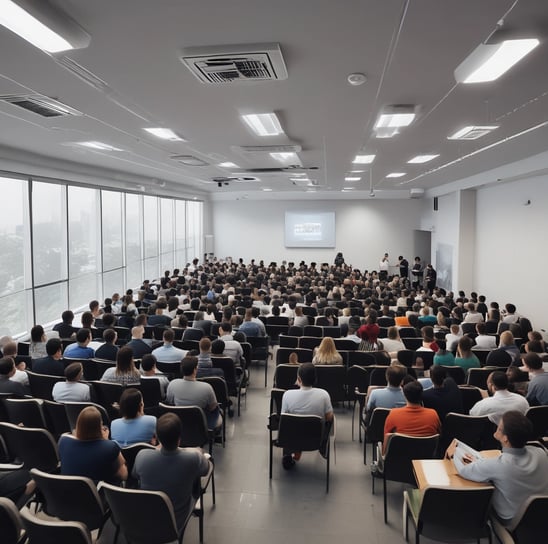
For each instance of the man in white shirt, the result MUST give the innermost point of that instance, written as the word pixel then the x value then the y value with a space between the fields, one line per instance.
pixel 233 349
pixel 472 316
pixel 73 390
pixel 383 267
pixel 168 353
pixel 502 400
pixel 484 341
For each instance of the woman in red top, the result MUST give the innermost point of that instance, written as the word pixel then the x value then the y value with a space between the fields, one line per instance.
pixel 369 333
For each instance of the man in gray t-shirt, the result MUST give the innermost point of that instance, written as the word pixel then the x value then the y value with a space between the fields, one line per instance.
pixel 171 469
pixel 189 392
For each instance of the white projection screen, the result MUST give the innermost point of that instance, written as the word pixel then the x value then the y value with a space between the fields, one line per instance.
pixel 309 229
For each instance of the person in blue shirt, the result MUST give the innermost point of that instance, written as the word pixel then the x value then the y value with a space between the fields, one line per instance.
pixel 134 426
pixel 80 349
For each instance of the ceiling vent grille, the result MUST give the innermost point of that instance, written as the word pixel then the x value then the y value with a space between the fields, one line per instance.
pixel 41 105
pixel 188 160
pixel 252 149
pixel 235 63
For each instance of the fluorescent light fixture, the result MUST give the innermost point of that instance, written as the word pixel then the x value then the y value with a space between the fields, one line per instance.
pixel 352 178
pixel 357 171
pixel 302 174
pixel 489 61
pixel 299 179
pixel 46 27
pixel 267 189
pixel 396 174
pixel 472 132
pixel 228 164
pixel 420 159
pixel 395 117
pixel 364 159
pixel 347 189
pixel 284 156
pixel 386 132
pixel 165 134
pixel 263 124
pixel 99 145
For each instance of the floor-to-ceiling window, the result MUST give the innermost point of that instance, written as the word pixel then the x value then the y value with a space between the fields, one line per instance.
pixel 63 245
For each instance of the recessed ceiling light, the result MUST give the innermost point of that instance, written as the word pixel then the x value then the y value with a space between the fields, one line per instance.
pixel 419 159
pixel 31 28
pixel 346 189
pixel 489 61
pixel 165 134
pixel 228 164
pixel 299 179
pixel 267 189
pixel 99 145
pixel 396 175
pixel 352 178
pixel 357 171
pixel 472 132
pixel 303 174
pixel 364 159
pixel 284 156
pixel 263 124
pixel 395 117
pixel 386 132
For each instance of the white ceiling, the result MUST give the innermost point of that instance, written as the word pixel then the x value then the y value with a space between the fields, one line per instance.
pixel 407 50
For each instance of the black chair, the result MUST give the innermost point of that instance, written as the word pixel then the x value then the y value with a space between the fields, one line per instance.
pixel 302 433
pixel 288 341
pixel 362 358
pixel 385 321
pixel 234 380
pixel 498 357
pixel 478 376
pixel 73 410
pixel 309 342
pixel 285 376
pixel 435 513
pixel 357 379
pixel 538 416
pixel 55 415
pixel 171 370
pixel 41 385
pixel 470 395
pixel 274 331
pixel 411 342
pixel 295 331
pixel 332 378
pixel 193 334
pixel 151 390
pixel 475 431
pixel 260 352
pixel 408 332
pixel 377 376
pixel 343 344
pixel 331 331
pixel 221 394
pixel 457 373
pixel 313 330
pixel 303 355
pixel 481 354
pixel 374 431
pixel 92 371
pixel 108 394
pixel 26 412
pixel 427 359
pixel 406 357
pixel 396 462
pixel 11 525
pixel 130 453
pixel 35 448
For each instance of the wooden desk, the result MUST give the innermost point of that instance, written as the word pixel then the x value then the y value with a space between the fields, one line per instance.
pixel 442 472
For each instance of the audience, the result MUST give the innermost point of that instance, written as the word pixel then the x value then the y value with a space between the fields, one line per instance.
pixel 124 372
pixel 134 426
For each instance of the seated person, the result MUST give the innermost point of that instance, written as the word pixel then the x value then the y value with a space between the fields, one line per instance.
pixel 80 349
pixel 444 396
pixel 205 366
pixel 326 353
pixel 134 426
pixel 149 371
pixel 452 339
pixel 444 357
pixel 73 390
pixel 89 452
pixel 124 372
pixel 392 343
pixel 168 353
pixel 519 472
pixel 108 350
pixel 466 358
pixel 7 385
pixel 52 364
pixel 172 469
pixel 484 341
pixel 10 350
pixel 537 392
pixel 390 396
pixel 38 339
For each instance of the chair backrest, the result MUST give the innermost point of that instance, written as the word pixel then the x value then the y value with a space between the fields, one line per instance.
pixel 285 376
pixel 151 390
pixel 10 522
pixel 408 332
pixel 133 510
pixel 300 433
pixel 375 428
pixel 27 412
pixel 406 357
pixel 478 376
pixel 172 370
pixel 470 395
pixel 498 357
pixel 194 431
pixel 41 385
pixel 226 364
pixel 55 415
pixel 35 448
pixel 401 450
pixel 92 371
pixel 313 330
pixel 309 342
pixel 54 532
pixel 259 347
pixel 439 517
pixel 71 498
pixel 274 331
pixel 538 415
pixel 532 520
pixel 219 387
pixel 411 342
pixel 457 373
pixel 481 354
pixel 130 453
pixel 472 430
pixel 377 376
pixel 357 377
pixel 331 331
pixel 73 410
pixel 193 334
pixel 362 358
pixel 332 378
pixel 345 345
pixel 295 331
pixel 303 355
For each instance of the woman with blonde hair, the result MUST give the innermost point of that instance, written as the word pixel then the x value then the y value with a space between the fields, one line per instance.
pixel 124 372
pixel 89 452
pixel 326 353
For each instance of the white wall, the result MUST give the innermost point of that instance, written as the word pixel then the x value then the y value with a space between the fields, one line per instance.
pixel 365 230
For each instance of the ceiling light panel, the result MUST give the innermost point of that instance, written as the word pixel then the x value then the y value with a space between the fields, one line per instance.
pixel 263 124
pixel 472 132
pixel 420 159
pixel 165 134
pixel 490 61
pixel 99 146
pixel 352 178
pixel 396 174
pixel 228 164
pixel 283 157
pixel 364 159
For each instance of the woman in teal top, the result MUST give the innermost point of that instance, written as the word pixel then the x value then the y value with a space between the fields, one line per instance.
pixel 465 358
pixel 444 357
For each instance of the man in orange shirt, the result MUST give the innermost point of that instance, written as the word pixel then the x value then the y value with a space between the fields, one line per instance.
pixel 413 419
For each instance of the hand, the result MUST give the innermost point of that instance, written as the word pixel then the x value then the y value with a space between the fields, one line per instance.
pixel 450 452
pixel 105 432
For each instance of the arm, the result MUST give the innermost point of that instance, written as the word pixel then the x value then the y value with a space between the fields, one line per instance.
pixel 121 473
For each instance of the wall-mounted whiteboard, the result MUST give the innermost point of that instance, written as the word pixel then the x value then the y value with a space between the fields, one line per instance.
pixel 309 229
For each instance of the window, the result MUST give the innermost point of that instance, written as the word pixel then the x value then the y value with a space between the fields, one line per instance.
pixel 134 243
pixel 111 214
pixel 166 232
pixel 150 223
pixel 180 233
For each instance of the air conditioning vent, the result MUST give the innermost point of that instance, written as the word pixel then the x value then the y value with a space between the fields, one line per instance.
pixel 268 149
pixel 235 63
pixel 41 105
pixel 237 179
pixel 416 193
pixel 188 160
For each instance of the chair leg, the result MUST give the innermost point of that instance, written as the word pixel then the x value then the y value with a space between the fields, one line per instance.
pixel 353 415
pixel 212 487
pixel 270 458
pixel 328 456
pixel 385 500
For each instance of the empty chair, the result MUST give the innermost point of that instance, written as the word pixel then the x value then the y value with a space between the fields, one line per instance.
pixel 332 378
pixel 130 453
pixel 332 331
pixel 470 395
pixel 295 331
pixel 362 358
pixel 411 342
pixel 54 532
pixel 498 357
pixel 288 341
pixel 26 412
pixel 357 379
pixel 457 373
pixel 406 357
pixel 481 354
pixel 374 431
pixel 475 431
pixel 55 415
pixel 343 344
pixel 172 370
pixel 193 334
pixel 11 526
pixel 285 376
pixel 41 385
pixel 260 352
pixel 448 515
pixel 377 376
pixel 427 359
pixel 233 377
pixel 478 376
pixel 469 329
pixel 221 394
pixel 408 332
pixel 151 390
pixel 108 394
pixel 313 330
pixel 303 355
pixel 538 416
pixel 302 433
pixel 385 321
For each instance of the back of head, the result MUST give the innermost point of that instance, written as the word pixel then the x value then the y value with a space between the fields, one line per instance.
pixel 413 392
pixel 109 320
pixel 82 335
pixel 137 332
pixel 480 327
pixel 499 380
pixel 428 333
pixel 226 326
pixel 510 308
pixel 438 374
pixel 124 359
pixel 89 424
pixel 36 333
pixel 168 431
pixel 10 349
pixel 394 375
pixel 148 362
pixel 307 374
pixel 533 361
pixel 217 347
pixel 73 372
pixel 189 365
pixel 506 338
pixel 130 403
pixel 465 344
pixel 517 428
pixel 205 344
pixel 87 320
pixel 6 365
pixel 67 316
pixel 109 336
pixel 392 333
pixel 534 346
pixel 169 336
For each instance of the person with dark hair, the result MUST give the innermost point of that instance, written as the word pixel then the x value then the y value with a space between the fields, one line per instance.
pixel 308 401
pixel 65 328
pixel 390 396
pixel 339 259
pixel 109 350
pixel 190 392
pixel 7 370
pixel 444 396
pixel 233 349
pixel 160 318
pixel 483 340
pixel 369 332
pixel 134 426
pixel 37 347
pixel 80 349
pixel 109 320
pixel 89 452
pixel 413 419
pixel 172 469
pixel 168 353
pixel 519 472
pixel 404 268
pixel 430 278
pixel 149 371
pixel 52 364
pixel 537 392
pixel 137 344
pixel 72 390
pixel 205 365
pixel 124 372
pixel 501 400
pixel 466 358
pixel 417 272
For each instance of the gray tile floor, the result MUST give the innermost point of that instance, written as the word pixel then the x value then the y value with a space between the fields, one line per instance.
pixel 292 507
